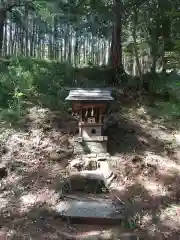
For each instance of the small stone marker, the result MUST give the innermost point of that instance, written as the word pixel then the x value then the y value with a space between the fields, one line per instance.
pixel 106 169
pixel 92 212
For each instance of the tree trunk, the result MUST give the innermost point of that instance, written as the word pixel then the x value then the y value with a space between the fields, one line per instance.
pixel 10 38
pixel 135 21
pixel 2 23
pixel 26 32
pixel 5 41
pixel 154 53
pixel 32 42
pixel 116 45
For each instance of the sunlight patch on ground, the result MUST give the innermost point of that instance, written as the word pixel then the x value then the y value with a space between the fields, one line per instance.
pixel 29 199
pixel 42 196
pixel 153 127
pixel 146 220
pixel 170 217
pixel 161 135
pixel 141 111
pixel 13 178
pixel 3 202
pixel 154 188
pixel 115 187
pixel 177 138
pixel 162 162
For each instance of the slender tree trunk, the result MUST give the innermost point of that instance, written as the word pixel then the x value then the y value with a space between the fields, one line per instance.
pixel 76 48
pixel 70 45
pixel 32 42
pixel 21 40
pixel 10 38
pixel 14 40
pixel 135 21
pixel 5 41
pixel 155 34
pixel 66 38
pixel 26 33
pixel 3 15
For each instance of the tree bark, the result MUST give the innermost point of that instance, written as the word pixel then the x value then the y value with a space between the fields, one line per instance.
pixel 135 21
pixel 3 15
pixel 116 44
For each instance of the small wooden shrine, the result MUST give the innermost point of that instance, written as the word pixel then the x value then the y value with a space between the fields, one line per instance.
pixel 90 105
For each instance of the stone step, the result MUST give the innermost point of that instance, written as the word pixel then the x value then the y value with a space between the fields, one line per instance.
pixel 97 235
pixel 90 212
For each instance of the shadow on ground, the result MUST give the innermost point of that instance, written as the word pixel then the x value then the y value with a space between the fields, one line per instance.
pixel 130 137
pixel 28 212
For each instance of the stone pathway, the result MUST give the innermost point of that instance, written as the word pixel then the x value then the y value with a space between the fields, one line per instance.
pixel 88 174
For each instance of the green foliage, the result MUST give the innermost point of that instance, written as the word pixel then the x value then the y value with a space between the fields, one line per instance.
pixel 167 111
pixel 34 80
pixel 27 81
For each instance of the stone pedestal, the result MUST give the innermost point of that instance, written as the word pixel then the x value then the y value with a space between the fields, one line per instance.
pixel 97 144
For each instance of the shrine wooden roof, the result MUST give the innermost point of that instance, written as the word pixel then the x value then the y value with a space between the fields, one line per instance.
pixel 90 94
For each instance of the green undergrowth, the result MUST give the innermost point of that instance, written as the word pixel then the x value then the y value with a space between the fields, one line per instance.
pixel 164 102
pixel 168 111
pixel 26 82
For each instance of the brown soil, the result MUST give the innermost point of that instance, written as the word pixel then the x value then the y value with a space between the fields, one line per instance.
pixel 146 160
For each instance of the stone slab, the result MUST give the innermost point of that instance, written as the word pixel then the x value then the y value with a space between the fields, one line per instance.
pixel 103 156
pixel 93 174
pixel 92 181
pixel 91 138
pixel 95 138
pixel 96 147
pixel 99 235
pixel 89 235
pixel 78 139
pixel 95 212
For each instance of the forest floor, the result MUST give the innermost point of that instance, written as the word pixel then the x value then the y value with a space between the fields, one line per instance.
pixel 147 162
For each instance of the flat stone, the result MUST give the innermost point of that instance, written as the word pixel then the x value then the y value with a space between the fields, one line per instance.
pixel 103 156
pixel 96 147
pixel 78 139
pixel 93 212
pixel 94 138
pixel 93 174
pixel 92 181
pixel 90 235
pixel 92 155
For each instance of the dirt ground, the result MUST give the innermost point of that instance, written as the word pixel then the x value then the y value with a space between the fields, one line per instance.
pixel 146 160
